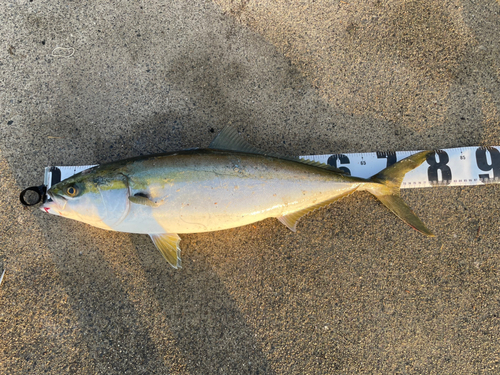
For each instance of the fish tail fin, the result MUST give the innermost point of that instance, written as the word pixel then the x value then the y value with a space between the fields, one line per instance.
pixel 386 185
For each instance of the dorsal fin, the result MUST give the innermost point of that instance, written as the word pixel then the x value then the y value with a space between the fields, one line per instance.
pixel 229 139
pixel 318 164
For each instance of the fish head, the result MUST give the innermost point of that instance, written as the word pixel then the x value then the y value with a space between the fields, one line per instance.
pixel 96 197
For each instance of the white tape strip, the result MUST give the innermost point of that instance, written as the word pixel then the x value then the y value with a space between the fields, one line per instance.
pixel 55 174
pixel 451 167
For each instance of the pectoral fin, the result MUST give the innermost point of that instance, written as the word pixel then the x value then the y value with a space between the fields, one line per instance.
pixel 143 199
pixel 168 244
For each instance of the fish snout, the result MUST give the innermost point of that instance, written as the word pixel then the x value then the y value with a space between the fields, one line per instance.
pixel 52 207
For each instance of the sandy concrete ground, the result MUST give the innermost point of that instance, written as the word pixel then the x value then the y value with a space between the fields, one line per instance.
pixel 354 291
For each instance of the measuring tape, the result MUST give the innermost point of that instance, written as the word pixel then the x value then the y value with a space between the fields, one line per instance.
pixel 463 166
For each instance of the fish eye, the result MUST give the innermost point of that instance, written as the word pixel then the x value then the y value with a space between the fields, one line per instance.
pixel 72 191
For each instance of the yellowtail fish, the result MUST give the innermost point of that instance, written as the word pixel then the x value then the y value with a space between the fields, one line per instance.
pixel 228 185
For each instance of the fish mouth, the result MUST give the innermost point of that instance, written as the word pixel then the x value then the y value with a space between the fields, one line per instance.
pixel 55 204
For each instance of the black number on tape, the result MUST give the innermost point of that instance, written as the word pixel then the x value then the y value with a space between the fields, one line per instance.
pixel 56 176
pixel 343 159
pixel 390 156
pixel 435 166
pixel 482 162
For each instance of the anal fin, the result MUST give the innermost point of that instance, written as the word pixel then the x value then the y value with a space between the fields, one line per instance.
pixel 168 244
pixel 290 220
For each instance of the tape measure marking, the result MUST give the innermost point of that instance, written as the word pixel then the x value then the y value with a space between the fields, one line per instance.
pixel 464 166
